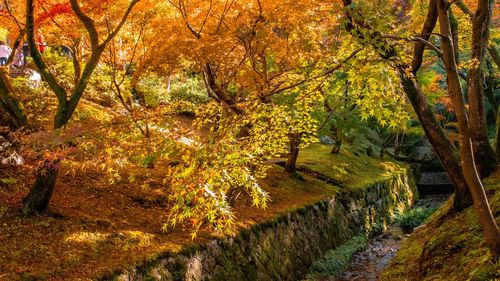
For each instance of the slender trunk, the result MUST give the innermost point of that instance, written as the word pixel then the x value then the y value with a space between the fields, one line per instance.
pixel 291 162
pixel 489 91
pixel 494 55
pixel 10 103
pixel 337 132
pixel 76 65
pixel 397 144
pixel 484 155
pixel 447 153
pixel 497 136
pixel 486 218
pixel 15 47
pixel 38 199
pixel 445 150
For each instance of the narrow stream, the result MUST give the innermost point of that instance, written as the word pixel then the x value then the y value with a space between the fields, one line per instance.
pixel 368 264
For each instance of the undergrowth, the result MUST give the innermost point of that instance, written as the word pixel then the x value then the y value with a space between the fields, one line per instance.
pixel 414 217
pixel 336 261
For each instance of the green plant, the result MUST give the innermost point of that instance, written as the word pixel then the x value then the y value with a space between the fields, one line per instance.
pixel 378 228
pixel 191 90
pixel 414 217
pixel 337 260
pixel 8 181
pixel 154 88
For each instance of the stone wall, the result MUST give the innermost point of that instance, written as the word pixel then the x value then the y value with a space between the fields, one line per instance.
pixel 284 248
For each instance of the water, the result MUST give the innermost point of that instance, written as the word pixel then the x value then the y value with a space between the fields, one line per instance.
pixel 368 264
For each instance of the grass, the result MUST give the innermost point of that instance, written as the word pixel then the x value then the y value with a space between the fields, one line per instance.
pixel 336 261
pixel 94 227
pixel 449 247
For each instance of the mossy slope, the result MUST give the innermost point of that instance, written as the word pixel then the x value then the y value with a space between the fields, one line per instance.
pixel 449 247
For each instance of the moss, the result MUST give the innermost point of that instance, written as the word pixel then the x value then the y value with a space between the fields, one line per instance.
pixel 336 261
pixel 192 249
pixel 449 247
pixel 245 235
pixel 354 171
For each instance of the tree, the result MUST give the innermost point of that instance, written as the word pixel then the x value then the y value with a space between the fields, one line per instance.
pixel 463 173
pixel 14 109
pixel 39 197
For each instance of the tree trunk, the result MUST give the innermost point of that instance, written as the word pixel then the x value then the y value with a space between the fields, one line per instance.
pixel 447 153
pixel 486 218
pixel 337 132
pixel 15 47
pixel 497 136
pixel 398 141
pixel 10 103
pixel 38 199
pixel 291 162
pixel 484 154
pixel 445 150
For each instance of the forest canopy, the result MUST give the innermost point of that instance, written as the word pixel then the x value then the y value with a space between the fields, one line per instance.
pixel 211 94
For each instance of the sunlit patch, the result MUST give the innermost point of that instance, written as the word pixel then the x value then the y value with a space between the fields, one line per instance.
pixel 125 239
pixel 87 237
pixel 139 238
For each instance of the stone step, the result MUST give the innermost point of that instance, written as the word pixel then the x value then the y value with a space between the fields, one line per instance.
pixel 435 183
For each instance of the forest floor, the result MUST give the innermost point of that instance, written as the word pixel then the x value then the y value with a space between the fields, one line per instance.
pixel 449 246
pixel 93 227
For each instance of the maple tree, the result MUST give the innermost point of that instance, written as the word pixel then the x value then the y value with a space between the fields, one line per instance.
pixel 37 200
pixel 260 83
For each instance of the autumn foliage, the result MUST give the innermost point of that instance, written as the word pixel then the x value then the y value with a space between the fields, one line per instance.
pixel 209 95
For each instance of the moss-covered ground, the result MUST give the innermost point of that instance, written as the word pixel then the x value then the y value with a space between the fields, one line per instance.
pixel 93 227
pixel 352 169
pixel 449 246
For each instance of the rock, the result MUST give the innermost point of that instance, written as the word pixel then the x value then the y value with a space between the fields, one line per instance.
pixel 14 159
pixel 326 140
pixel 8 155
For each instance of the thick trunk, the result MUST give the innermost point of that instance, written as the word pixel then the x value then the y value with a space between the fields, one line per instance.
pixel 489 90
pixel 486 218
pixel 38 199
pixel 291 162
pixel 484 155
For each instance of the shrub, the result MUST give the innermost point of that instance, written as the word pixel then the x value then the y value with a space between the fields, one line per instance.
pixel 414 217
pixel 189 89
